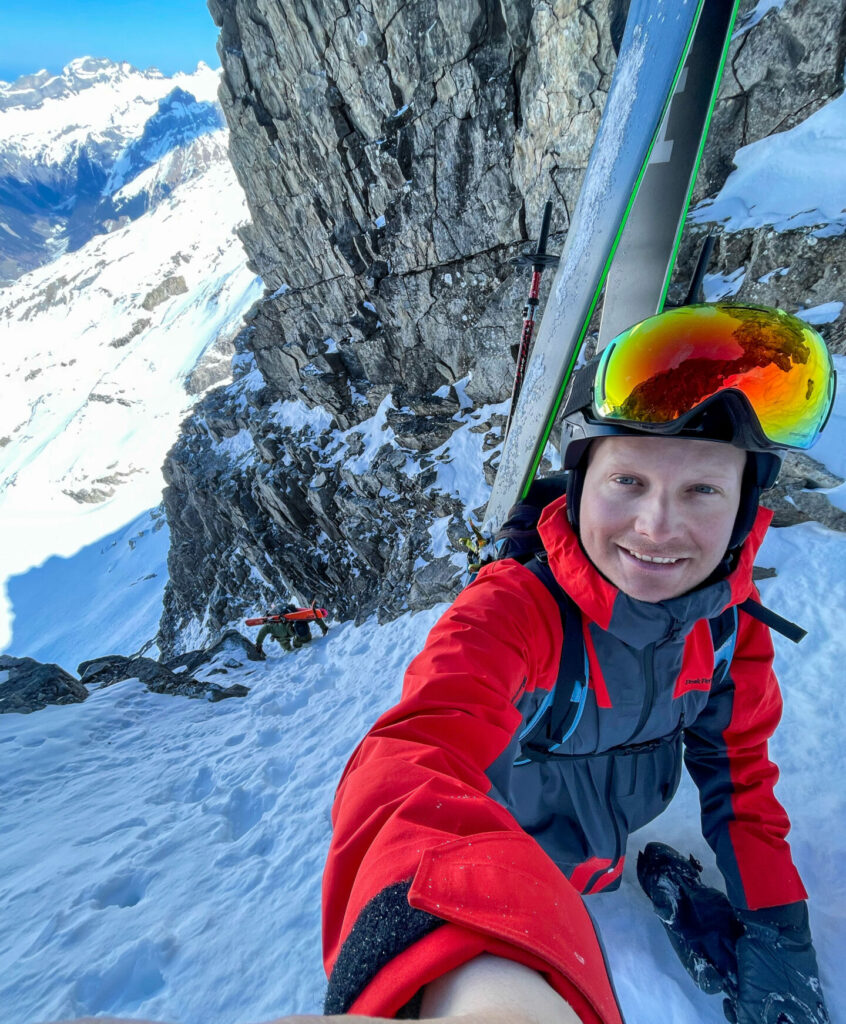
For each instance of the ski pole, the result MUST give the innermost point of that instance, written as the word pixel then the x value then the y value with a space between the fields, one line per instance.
pixel 539 261
pixel 699 273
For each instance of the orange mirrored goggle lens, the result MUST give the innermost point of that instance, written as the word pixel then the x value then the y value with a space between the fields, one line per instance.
pixel 666 366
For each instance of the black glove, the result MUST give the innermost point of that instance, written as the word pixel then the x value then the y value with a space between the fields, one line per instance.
pixel 777 976
pixel 699 921
pixel 762 960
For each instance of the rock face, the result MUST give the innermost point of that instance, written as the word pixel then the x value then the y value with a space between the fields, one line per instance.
pixel 394 161
pixel 27 685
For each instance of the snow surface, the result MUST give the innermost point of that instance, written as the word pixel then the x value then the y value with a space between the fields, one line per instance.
pixel 87 407
pixel 794 179
pixel 757 13
pixel 162 856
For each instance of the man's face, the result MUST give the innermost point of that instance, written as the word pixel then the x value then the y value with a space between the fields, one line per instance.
pixel 657 513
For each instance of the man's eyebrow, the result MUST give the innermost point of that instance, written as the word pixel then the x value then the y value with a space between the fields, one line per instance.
pixel 718 472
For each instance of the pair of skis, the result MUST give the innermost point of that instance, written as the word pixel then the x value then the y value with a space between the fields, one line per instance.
pixel 626 227
pixel 300 615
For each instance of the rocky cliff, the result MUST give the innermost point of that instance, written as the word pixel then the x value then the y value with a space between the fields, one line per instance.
pixel 395 159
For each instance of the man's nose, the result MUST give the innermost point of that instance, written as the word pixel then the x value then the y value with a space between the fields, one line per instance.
pixel 656 517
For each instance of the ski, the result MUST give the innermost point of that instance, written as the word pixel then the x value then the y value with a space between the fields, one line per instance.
pixel 300 615
pixel 655 46
pixel 639 276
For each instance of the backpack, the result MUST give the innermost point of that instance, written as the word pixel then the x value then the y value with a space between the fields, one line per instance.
pixel 559 714
pixel 301 629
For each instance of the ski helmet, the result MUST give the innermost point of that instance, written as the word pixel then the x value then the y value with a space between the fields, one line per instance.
pixel 750 376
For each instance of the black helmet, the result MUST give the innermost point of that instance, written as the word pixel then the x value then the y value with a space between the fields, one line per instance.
pixel 750 376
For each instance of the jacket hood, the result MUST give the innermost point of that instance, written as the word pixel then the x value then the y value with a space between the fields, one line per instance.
pixel 639 623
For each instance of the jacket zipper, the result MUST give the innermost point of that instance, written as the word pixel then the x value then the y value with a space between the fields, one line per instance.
pixel 649 689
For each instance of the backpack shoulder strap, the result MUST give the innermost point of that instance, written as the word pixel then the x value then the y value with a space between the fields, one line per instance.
pixel 557 717
pixel 724 631
pixel 772 619
pixel 724 638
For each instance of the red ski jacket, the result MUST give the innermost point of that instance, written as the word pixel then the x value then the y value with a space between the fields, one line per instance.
pixel 443 849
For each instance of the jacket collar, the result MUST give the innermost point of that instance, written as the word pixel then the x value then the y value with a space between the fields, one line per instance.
pixel 639 623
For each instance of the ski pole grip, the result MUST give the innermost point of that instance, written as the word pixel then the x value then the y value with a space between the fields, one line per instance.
pixel 544 235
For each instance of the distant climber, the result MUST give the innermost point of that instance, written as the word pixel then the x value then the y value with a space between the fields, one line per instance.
pixel 291 634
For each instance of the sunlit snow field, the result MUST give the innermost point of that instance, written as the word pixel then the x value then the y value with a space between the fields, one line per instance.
pixel 162 856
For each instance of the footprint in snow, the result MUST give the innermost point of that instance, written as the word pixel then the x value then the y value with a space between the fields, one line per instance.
pixel 125 889
pixel 136 975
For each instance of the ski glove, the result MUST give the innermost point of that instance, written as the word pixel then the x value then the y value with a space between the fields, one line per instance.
pixel 777 976
pixel 762 960
pixel 699 921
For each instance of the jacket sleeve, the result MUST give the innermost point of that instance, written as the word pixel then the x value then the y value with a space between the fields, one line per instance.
pixel 425 870
pixel 726 754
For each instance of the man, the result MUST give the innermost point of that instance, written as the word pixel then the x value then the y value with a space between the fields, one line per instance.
pixel 450 843
pixel 289 634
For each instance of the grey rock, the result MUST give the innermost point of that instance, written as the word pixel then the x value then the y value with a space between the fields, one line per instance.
pixel 27 685
pixel 163 291
pixel 161 678
pixel 137 327
pixel 798 496
pixel 230 651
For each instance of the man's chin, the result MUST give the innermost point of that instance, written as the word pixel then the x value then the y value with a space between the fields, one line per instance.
pixel 653 584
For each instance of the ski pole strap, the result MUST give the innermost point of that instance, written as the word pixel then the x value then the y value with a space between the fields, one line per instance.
pixel 772 619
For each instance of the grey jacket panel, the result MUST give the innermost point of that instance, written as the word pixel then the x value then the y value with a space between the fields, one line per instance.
pixel 623 764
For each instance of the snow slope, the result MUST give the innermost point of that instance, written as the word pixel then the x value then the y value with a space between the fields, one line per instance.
pixel 793 179
pixel 96 347
pixel 162 856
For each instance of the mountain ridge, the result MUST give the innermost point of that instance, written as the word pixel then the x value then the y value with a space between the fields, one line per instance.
pixel 62 160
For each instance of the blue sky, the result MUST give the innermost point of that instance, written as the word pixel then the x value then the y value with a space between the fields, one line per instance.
pixel 171 35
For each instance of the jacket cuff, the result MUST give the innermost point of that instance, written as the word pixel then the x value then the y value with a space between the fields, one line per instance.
pixel 387 926
pixel 496 893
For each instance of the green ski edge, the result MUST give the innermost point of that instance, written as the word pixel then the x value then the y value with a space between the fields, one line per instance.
pixel 601 281
pixel 700 153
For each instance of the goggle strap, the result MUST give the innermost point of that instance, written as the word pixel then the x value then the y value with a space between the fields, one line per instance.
pixel 580 395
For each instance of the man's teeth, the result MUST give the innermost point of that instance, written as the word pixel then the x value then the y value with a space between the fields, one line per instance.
pixel 653 558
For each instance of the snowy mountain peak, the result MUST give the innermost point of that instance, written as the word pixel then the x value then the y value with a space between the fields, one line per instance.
pixel 30 91
pixel 69 142
pixel 179 120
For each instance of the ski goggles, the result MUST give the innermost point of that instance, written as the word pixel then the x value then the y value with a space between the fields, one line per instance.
pixel 658 372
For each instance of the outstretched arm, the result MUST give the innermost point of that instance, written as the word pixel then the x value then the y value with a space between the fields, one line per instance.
pixel 488 990
pixel 427 870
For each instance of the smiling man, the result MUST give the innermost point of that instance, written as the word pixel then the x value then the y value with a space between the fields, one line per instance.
pixel 657 513
pixel 555 702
